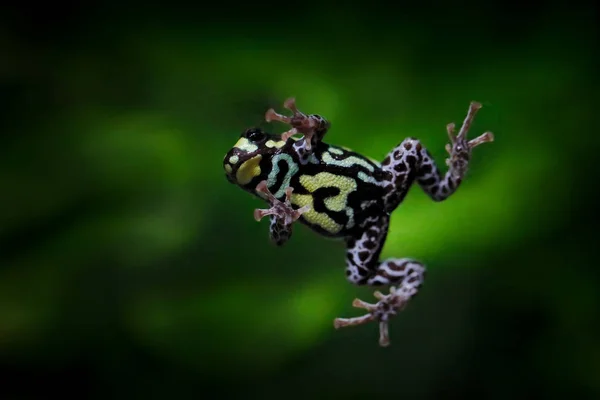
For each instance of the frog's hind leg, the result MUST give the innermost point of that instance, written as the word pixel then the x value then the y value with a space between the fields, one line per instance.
pixel 364 268
pixel 410 160
pixel 400 167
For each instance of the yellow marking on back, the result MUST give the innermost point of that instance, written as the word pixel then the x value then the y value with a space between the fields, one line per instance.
pixel 313 217
pixel 233 159
pixel 246 145
pixel 271 143
pixel 336 203
pixel 248 170
pixel 327 179
pixel 228 168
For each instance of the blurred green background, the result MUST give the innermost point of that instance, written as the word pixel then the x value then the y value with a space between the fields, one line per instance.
pixel 130 267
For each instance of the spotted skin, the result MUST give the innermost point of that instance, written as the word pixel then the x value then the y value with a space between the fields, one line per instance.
pixel 344 195
pixel 279 232
pixel 363 266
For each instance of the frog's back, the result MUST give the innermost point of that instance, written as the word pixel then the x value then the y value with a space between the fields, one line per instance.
pixel 341 187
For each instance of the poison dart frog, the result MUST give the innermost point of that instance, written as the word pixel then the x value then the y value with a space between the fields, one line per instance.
pixel 342 194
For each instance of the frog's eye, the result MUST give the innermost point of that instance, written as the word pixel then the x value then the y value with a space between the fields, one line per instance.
pixel 255 135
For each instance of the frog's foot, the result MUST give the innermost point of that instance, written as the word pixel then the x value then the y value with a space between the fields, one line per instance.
pixel 459 148
pixel 307 125
pixel 282 210
pixel 387 306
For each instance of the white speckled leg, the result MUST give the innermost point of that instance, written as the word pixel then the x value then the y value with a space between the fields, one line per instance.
pixel 410 160
pixel 279 232
pixel 364 268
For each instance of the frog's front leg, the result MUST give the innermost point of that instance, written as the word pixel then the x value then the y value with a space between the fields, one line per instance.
pixel 313 127
pixel 281 213
pixel 279 233
pixel 364 268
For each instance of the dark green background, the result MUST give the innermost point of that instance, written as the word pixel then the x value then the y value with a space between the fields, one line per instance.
pixel 130 268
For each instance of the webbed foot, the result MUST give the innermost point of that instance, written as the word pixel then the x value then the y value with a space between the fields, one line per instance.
pixel 282 210
pixel 387 306
pixel 307 125
pixel 459 147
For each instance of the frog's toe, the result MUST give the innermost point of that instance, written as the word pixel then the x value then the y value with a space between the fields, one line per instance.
pixel 486 137
pixel 306 125
pixel 282 210
pixel 382 311
pixel 271 115
pixel 458 140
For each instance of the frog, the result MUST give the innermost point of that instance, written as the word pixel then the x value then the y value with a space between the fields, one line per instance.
pixel 343 195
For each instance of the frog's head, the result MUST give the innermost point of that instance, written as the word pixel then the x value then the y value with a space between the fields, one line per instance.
pixel 249 161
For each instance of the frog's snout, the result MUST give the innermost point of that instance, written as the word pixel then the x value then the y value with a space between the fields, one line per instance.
pixel 229 163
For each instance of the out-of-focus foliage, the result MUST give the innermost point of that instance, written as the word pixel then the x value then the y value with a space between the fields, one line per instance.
pixel 130 265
